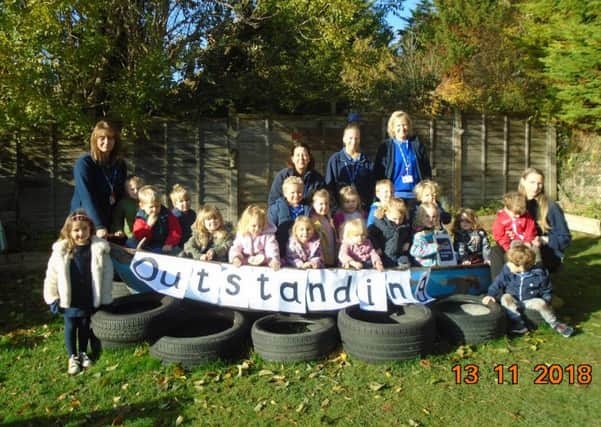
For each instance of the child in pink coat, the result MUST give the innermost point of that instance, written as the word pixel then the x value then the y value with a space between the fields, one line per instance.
pixel 304 246
pixel 255 242
pixel 356 250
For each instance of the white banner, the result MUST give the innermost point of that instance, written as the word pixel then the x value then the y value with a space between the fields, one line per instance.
pixel 286 290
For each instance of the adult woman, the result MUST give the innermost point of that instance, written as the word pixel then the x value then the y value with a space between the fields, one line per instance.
pixel 402 158
pixel 100 177
pixel 553 233
pixel 351 167
pixel 300 163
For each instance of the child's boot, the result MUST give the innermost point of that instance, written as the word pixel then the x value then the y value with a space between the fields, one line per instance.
pixel 563 329
pixel 73 366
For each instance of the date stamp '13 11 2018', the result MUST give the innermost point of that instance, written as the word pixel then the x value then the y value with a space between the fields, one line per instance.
pixel 581 374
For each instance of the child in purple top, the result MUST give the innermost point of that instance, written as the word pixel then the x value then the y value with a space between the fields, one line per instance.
pixel 304 248
pixel 356 251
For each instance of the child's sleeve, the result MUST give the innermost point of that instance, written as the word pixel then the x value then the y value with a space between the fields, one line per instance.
pixel 499 234
pixel 547 287
pixel 272 214
pixel 497 286
pixel 344 255
pixel 485 245
pixel 236 250
pixel 51 281
pixel 445 217
pixel 292 256
pixel 272 249
pixel 174 235
pixel 376 237
pixel 421 248
pixel 375 258
pixel 221 249
pixel 371 215
pixel 191 249
pixel 106 289
pixel 142 229
pixel 317 255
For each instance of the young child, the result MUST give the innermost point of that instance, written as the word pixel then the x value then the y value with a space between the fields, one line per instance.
pixel 79 279
pixel 384 191
pixel 287 208
pixel 424 249
pixel 324 226
pixel 513 222
pixel 426 191
pixel 304 248
pixel 209 241
pixel 255 242
pixel 350 206
pixel 155 223
pixel 520 285
pixel 470 241
pixel 180 199
pixel 391 234
pixel 125 211
pixel 356 250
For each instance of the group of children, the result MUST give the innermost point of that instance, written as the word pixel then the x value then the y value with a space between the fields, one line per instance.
pixel 79 274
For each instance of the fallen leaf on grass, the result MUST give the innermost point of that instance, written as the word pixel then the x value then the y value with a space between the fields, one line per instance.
pixel 424 363
pixel 376 386
pixel 259 406
pixel 302 406
pixel 325 403
pixel 116 399
pixel 125 386
pixel 414 423
pixel 179 420
pixel 264 372
pixel 112 368
pixel 117 421
pixel 178 372
pixel 243 367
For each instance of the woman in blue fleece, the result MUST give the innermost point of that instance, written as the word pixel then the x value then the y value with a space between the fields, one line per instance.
pixel 350 166
pixel 553 232
pixel 402 159
pixel 100 177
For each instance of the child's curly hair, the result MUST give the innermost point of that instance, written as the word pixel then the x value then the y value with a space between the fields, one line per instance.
pixel 149 194
pixel 393 205
pixel 424 185
pixel 302 220
pixel 515 202
pixel 522 256
pixel 354 227
pixel 178 191
pixel 252 211
pixel 202 234
pixel 468 215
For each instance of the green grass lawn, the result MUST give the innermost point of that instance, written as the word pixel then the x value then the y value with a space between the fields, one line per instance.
pixel 128 387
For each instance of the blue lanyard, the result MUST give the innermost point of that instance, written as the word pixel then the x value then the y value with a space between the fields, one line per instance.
pixel 111 181
pixel 404 157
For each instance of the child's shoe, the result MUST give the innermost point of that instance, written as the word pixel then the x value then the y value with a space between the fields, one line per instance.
pixel 563 329
pixel 74 366
pixel 403 262
pixel 518 327
pixel 85 361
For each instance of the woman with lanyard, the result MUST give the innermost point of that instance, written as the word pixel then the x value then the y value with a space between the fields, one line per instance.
pixel 351 167
pixel 300 163
pixel 100 177
pixel 402 159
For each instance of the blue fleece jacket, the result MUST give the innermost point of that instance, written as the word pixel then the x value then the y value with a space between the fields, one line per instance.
pixel 312 182
pixel 93 187
pixel 342 171
pixel 534 283
pixel 280 216
pixel 384 166
pixel 559 234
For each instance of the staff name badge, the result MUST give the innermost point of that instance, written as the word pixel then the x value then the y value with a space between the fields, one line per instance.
pixel 407 179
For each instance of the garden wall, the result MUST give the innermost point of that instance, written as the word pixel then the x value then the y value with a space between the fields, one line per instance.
pixel 231 162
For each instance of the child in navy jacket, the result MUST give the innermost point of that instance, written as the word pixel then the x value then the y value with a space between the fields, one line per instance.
pixel 520 285
pixel 286 209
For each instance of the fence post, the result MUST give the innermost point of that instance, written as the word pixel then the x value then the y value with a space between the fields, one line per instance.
pixel 18 172
pixel 483 146
pixel 431 155
pixel 551 162
pixel 200 156
pixel 505 152
pixel 53 173
pixel 166 158
pixel 457 158
pixel 527 145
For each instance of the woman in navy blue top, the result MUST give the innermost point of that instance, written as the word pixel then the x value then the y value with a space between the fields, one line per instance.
pixel 100 177
pixel 300 163
pixel 350 166
pixel 402 158
pixel 553 234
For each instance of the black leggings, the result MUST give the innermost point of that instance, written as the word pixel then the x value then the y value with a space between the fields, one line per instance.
pixel 77 329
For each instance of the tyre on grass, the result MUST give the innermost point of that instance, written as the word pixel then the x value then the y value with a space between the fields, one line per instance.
pixel 198 336
pixel 132 319
pixel 464 319
pixel 401 333
pixel 293 338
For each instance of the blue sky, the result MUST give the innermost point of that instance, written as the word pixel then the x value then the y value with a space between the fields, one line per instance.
pixel 408 6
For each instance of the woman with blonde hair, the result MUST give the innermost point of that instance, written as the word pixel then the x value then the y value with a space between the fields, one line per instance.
pixel 553 233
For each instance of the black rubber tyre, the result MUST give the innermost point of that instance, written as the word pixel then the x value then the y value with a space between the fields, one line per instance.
pixel 132 319
pixel 401 333
pixel 290 338
pixel 463 319
pixel 201 336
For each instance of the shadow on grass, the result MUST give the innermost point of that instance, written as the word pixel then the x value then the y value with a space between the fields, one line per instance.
pixel 577 283
pixel 156 412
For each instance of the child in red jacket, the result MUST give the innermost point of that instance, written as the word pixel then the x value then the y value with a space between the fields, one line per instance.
pixel 156 223
pixel 513 222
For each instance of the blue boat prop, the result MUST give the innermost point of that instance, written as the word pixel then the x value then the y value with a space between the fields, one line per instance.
pixel 442 280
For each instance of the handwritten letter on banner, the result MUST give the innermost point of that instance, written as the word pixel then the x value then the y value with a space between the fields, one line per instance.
pixel 287 290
